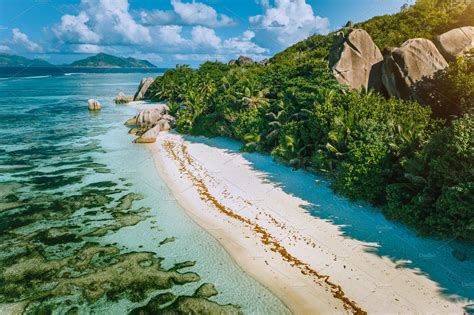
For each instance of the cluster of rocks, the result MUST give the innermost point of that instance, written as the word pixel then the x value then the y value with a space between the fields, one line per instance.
pixel 142 93
pixel 148 123
pixel 243 61
pixel 356 60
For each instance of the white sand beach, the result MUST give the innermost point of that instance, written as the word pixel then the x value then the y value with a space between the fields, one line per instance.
pixel 308 262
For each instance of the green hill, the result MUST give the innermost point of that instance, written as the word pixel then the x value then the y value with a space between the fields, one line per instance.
pixel 7 60
pixel 102 60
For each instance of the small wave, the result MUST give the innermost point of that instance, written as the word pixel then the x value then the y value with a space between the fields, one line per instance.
pixel 75 73
pixel 35 77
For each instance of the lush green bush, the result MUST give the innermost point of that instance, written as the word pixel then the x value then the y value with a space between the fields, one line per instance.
pixel 437 193
pixel 451 92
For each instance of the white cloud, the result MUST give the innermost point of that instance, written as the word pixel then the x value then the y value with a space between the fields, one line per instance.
pixel 152 57
pixel 187 13
pixel 73 28
pixel 158 17
pixel 198 57
pixel 23 42
pixel 169 35
pixel 199 13
pixel 243 45
pixel 104 21
pixel 205 37
pixel 187 32
pixel 86 49
pixel 287 22
pixel 4 48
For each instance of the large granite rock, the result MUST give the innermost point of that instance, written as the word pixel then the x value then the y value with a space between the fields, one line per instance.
pixel 356 60
pixel 93 105
pixel 241 61
pixel 121 98
pixel 148 117
pixel 150 135
pixel 148 123
pixel 142 91
pixel 404 67
pixel 456 42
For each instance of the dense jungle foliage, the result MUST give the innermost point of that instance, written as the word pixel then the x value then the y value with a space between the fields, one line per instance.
pixel 415 165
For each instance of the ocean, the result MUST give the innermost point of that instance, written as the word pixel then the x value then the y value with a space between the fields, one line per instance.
pixel 86 224
pixel 41 72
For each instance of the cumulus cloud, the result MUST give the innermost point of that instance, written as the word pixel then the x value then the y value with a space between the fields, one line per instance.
pixel 205 37
pixel 243 44
pixel 23 42
pixel 158 17
pixel 86 49
pixel 73 29
pixel 287 22
pixel 200 13
pixel 187 13
pixel 169 35
pixel 4 48
pixel 104 21
pixel 189 29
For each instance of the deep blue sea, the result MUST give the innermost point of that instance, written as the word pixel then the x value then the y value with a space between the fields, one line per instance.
pixel 38 72
pixel 86 224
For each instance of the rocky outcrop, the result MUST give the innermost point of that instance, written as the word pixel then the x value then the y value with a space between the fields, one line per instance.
pixel 149 117
pixel 149 136
pixel 148 123
pixel 121 98
pixel 456 42
pixel 241 61
pixel 356 60
pixel 404 67
pixel 93 105
pixel 142 91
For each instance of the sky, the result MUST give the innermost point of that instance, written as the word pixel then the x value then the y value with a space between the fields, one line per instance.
pixel 170 32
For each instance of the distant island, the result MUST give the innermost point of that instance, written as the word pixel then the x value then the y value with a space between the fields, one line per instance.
pixel 7 60
pixel 100 60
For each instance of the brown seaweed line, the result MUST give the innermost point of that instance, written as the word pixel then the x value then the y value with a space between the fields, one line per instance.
pixel 265 237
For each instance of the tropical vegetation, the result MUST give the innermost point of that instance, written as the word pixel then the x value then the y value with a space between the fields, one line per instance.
pixel 413 161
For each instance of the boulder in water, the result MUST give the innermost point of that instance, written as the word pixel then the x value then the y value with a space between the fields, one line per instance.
pixel 417 59
pixel 121 98
pixel 356 60
pixel 456 42
pixel 142 91
pixel 93 105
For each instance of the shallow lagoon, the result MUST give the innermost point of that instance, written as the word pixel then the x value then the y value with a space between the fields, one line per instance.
pixel 86 223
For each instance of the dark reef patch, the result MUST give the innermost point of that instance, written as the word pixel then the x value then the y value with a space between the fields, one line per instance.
pixel 49 258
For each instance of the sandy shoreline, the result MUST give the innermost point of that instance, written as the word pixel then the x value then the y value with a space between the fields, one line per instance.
pixel 304 260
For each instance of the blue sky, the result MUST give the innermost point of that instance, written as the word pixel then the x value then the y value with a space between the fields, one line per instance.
pixel 170 32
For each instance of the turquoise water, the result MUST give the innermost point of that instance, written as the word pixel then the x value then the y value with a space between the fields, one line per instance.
pixel 86 224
